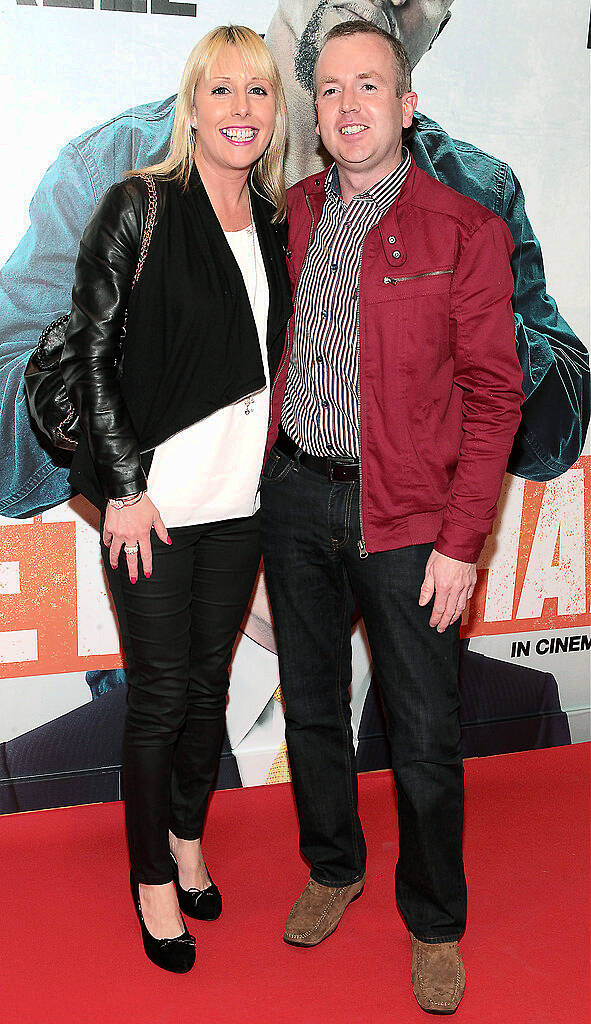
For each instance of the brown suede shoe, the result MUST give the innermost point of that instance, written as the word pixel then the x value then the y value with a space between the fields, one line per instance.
pixel 318 911
pixel 438 976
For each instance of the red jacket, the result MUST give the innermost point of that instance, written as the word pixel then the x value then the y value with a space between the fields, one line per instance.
pixel 440 381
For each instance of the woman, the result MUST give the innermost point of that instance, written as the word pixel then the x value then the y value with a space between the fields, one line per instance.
pixel 174 434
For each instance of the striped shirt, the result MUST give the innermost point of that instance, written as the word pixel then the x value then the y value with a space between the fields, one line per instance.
pixel 321 406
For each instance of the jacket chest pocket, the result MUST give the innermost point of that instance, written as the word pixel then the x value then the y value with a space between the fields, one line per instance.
pixel 413 311
pixel 409 316
pixel 414 286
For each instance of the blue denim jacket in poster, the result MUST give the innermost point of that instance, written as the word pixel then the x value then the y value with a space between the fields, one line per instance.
pixel 36 283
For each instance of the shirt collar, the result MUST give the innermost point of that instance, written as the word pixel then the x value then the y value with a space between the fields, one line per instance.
pixel 383 193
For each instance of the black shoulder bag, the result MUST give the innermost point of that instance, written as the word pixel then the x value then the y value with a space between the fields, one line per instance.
pixel 47 398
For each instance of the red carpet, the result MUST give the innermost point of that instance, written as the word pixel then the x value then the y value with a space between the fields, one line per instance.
pixel 71 945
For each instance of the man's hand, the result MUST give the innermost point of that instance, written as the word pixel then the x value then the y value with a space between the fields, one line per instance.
pixel 452 582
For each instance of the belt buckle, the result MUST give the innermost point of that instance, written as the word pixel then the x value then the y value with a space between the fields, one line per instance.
pixel 338 472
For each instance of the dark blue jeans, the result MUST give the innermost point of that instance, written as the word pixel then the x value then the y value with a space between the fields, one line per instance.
pixel 310 534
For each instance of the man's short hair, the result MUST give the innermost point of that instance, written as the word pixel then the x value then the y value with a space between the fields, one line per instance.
pixel 402 66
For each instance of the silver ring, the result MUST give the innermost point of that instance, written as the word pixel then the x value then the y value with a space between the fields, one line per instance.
pixel 131 551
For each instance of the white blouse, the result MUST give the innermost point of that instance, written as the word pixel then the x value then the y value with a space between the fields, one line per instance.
pixel 210 471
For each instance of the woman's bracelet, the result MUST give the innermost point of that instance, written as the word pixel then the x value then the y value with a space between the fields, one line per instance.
pixel 130 499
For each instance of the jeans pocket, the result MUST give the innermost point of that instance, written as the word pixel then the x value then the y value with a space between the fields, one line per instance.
pixel 277 466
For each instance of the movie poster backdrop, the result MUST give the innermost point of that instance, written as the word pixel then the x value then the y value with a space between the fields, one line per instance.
pixel 88 92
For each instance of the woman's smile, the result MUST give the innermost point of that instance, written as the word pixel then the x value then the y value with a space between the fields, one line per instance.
pixel 239 135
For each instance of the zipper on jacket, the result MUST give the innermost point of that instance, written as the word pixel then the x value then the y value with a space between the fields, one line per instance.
pixel 361 543
pixel 413 277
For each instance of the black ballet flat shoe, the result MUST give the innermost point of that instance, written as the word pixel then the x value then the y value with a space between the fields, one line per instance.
pixel 203 904
pixel 176 955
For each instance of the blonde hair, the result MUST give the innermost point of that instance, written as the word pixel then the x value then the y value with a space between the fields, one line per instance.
pixel 267 173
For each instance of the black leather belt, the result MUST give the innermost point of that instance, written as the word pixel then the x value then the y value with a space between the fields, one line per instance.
pixel 331 468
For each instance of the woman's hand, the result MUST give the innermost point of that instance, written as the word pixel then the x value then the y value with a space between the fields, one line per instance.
pixel 130 527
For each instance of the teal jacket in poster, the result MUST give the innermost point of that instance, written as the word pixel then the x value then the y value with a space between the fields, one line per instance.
pixel 36 283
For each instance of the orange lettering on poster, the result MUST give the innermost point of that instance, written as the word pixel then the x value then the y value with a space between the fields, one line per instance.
pixel 542 577
pixel 535 576
pixel 44 606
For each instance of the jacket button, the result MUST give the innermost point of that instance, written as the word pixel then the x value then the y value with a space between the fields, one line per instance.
pixel 396 254
pixel 288 254
pixel 317 182
pixel 392 239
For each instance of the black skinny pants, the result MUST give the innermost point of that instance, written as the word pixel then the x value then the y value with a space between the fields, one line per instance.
pixel 178 629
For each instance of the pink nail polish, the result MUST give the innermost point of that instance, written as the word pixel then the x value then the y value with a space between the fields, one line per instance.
pixel 168 540
pixel 147 575
pixel 133 579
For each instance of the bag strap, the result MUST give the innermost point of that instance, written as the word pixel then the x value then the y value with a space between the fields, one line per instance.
pixel 146 235
pixel 148 226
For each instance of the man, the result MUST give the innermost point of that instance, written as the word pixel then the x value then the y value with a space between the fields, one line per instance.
pixel 36 281
pixel 394 412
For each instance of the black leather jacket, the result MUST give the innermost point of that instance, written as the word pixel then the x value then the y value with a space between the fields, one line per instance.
pixel 123 417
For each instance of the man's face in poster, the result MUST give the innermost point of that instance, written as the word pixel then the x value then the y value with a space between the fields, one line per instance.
pixel 298 27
